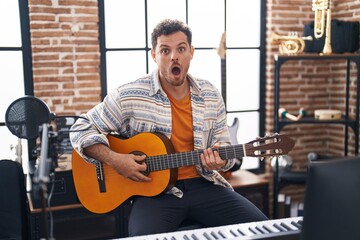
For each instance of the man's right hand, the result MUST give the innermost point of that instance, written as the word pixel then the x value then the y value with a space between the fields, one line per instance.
pixel 128 165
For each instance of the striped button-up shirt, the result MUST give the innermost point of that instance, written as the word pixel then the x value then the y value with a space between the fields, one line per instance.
pixel 143 106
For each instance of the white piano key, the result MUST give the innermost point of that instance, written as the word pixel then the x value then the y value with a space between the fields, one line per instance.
pixel 245 228
pixel 254 230
pixel 208 235
pixel 296 224
pixel 224 233
pixel 287 222
pixel 261 228
pixel 229 231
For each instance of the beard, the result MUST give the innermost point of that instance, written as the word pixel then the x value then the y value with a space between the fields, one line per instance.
pixel 174 77
pixel 175 82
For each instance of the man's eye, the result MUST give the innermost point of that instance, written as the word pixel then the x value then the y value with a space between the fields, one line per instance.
pixel 181 49
pixel 164 51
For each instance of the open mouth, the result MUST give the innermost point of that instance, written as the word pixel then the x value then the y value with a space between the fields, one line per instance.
pixel 175 70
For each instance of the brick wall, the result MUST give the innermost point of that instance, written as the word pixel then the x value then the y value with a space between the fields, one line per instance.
pixel 66 59
pixel 65 47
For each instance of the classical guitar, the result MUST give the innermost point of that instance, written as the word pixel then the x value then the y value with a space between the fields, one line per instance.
pixel 101 189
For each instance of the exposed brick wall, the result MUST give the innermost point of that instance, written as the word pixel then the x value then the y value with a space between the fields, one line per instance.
pixel 66 57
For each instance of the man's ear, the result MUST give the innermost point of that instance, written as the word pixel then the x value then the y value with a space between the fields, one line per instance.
pixel 192 51
pixel 153 55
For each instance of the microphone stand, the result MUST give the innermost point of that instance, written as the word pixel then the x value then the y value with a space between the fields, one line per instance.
pixel 41 177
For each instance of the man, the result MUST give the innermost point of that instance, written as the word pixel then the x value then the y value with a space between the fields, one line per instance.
pixel 191 113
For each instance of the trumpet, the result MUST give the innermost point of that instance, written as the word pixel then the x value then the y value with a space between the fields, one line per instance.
pixel 291 44
pixel 320 8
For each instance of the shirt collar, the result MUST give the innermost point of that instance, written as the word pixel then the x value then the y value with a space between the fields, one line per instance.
pixel 156 86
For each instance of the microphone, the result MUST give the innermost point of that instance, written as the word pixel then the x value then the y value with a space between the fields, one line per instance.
pixel 28 115
pixel 42 174
pixel 25 115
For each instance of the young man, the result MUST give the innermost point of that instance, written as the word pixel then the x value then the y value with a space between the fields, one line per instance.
pixel 191 113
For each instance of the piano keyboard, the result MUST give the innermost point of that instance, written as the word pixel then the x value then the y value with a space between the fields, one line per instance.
pixel 285 228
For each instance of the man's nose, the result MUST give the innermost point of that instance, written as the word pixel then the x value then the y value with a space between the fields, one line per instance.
pixel 174 57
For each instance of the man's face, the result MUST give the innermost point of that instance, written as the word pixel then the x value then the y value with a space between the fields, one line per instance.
pixel 173 55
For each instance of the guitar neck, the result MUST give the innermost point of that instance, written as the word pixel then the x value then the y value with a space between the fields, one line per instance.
pixel 223 78
pixel 176 160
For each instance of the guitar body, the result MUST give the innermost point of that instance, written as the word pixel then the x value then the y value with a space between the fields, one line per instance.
pixel 119 188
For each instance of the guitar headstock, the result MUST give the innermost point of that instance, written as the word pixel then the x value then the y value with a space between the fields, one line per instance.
pixel 222 46
pixel 274 145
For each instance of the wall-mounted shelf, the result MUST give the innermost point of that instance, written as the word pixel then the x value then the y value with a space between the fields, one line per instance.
pixel 348 122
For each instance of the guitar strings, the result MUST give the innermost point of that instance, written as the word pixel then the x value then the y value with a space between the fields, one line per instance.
pixel 175 160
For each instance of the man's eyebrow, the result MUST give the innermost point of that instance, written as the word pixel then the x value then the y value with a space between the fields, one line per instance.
pixel 180 44
pixel 163 45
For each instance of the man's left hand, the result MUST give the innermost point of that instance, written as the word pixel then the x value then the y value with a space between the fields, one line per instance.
pixel 211 159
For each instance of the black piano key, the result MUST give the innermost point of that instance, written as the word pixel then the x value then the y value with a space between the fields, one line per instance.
pixel 267 229
pixel 241 232
pixel 286 226
pixel 280 228
pixel 297 225
pixel 254 230
pixel 193 236
pixel 215 235
pixel 260 230
pixel 234 233
pixel 207 236
pixel 251 230
pixel 185 237
pixel 222 234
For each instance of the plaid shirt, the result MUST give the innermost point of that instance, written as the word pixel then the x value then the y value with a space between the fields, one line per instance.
pixel 143 106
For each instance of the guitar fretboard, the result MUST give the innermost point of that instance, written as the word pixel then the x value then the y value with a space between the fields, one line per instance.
pixel 162 162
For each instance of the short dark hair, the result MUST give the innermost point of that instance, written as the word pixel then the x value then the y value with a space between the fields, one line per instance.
pixel 167 27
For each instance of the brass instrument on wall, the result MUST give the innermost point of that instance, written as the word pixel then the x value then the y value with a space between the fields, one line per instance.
pixel 291 44
pixel 322 26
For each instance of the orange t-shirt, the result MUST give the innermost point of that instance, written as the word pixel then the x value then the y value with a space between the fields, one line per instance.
pixel 182 136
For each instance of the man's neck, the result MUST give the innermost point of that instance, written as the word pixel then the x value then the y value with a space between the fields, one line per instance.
pixel 177 92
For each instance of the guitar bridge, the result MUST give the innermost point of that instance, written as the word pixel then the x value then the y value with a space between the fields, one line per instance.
pixel 100 177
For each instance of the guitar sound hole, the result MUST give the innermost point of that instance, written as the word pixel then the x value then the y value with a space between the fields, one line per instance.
pixel 138 153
